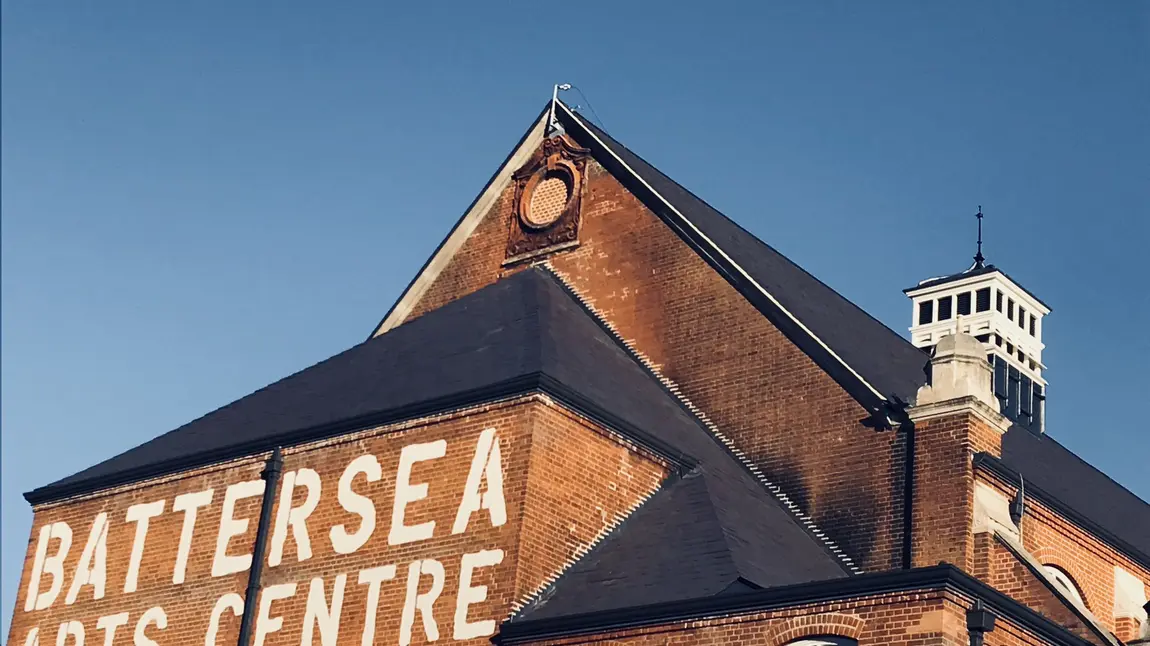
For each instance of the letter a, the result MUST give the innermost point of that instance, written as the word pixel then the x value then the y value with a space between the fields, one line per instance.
pixel 486 465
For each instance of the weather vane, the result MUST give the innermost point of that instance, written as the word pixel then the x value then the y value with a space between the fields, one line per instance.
pixel 978 257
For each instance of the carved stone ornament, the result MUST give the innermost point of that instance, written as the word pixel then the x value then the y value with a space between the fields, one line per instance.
pixel 548 193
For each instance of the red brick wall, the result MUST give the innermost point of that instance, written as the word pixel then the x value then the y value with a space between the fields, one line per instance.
pixel 764 393
pixel 547 517
pixel 559 526
pixel 1053 540
pixel 1010 576
pixel 944 487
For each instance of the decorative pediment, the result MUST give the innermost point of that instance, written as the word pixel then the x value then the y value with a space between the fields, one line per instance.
pixel 548 195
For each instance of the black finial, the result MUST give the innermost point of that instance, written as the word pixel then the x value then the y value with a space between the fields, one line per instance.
pixel 978 257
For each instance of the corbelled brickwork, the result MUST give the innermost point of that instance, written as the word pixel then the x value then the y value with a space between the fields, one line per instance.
pixel 357 539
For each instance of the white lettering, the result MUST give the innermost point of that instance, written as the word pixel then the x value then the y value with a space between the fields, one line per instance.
pixel 265 623
pixel 154 615
pixel 73 629
pixel 296 517
pixel 422 602
pixel 342 541
pixel 319 614
pixel 33 638
pixel 140 514
pixel 230 601
pixel 109 624
pixel 469 595
pixel 231 527
pixel 189 503
pixel 373 577
pixel 52 565
pixel 405 492
pixel 485 465
pixel 92 568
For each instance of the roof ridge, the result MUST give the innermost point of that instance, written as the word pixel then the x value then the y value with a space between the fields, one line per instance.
pixel 804 520
pixel 754 237
pixel 732 552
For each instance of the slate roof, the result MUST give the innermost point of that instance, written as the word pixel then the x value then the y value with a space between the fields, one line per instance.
pixel 715 529
pixel 505 339
pixel 1069 479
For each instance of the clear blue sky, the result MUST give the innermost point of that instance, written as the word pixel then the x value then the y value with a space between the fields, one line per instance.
pixel 200 198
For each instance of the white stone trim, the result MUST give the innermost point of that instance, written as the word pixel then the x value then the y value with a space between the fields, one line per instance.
pixel 1129 596
pixel 969 404
pixel 992 512
pixel 1031 303
pixel 990 322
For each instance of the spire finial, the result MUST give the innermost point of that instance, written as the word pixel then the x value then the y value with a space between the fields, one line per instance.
pixel 978 257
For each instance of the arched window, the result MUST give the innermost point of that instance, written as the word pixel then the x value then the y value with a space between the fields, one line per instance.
pixel 824 641
pixel 1066 583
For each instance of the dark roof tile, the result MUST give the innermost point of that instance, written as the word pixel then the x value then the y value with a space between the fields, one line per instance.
pixel 1058 471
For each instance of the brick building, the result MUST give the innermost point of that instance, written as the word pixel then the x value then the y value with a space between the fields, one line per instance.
pixel 603 412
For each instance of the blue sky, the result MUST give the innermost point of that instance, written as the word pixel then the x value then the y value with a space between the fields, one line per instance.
pixel 200 198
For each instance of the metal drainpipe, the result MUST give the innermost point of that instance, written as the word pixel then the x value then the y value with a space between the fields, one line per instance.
pixel 271 477
pixel 979 621
pixel 908 497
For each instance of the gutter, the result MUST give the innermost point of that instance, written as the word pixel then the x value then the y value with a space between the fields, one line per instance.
pixel 271 477
pixel 513 387
pixel 944 578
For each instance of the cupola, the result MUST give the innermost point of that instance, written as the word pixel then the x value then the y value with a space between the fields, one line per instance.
pixel 986 303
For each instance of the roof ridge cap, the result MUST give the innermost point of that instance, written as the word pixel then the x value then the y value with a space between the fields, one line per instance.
pixel 731 551
pixel 803 519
